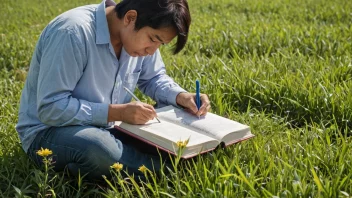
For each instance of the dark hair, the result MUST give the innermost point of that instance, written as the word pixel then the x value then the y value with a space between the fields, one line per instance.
pixel 159 14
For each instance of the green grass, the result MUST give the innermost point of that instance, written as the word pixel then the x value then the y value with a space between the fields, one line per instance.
pixel 282 67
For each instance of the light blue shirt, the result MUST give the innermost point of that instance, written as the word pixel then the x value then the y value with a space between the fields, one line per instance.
pixel 74 75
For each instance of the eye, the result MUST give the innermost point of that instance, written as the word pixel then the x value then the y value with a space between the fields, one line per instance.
pixel 151 39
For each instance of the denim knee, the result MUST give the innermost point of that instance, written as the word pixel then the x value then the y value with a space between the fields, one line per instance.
pixel 99 156
pixel 86 150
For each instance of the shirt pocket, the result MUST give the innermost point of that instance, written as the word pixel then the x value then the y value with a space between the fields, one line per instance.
pixel 130 82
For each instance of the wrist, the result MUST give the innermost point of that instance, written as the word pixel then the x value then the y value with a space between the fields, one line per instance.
pixel 116 112
pixel 179 99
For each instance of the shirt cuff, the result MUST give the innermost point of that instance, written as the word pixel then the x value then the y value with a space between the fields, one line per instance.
pixel 100 114
pixel 173 92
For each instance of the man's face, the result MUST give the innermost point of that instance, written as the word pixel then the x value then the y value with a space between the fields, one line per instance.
pixel 146 40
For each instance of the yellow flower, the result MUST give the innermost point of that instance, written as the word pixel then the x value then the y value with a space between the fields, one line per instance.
pixel 117 166
pixel 143 169
pixel 44 152
pixel 179 144
pixel 182 144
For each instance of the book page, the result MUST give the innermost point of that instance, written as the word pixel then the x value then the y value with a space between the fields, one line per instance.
pixel 210 125
pixel 169 131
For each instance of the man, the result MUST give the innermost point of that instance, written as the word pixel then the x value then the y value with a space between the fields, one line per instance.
pixel 74 88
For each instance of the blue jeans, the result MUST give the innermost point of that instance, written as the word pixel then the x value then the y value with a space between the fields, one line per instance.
pixel 91 150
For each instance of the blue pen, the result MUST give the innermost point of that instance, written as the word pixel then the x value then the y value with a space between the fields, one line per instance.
pixel 198 94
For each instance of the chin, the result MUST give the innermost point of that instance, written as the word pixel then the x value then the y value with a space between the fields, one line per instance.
pixel 138 55
pixel 134 54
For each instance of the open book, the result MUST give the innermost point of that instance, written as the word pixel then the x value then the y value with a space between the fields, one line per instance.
pixel 178 126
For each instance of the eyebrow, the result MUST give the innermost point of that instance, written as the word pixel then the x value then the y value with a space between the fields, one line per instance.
pixel 157 37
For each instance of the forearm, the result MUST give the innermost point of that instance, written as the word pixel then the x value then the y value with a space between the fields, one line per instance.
pixel 162 89
pixel 132 113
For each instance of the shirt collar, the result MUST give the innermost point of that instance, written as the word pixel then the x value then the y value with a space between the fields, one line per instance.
pixel 101 25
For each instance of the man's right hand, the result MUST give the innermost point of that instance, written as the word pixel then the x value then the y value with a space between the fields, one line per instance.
pixel 132 113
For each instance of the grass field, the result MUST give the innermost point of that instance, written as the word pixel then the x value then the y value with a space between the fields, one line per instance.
pixel 282 67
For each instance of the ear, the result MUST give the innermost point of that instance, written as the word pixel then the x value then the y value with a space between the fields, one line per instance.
pixel 130 17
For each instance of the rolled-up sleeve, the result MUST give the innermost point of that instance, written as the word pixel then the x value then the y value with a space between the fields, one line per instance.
pixel 61 67
pixel 155 83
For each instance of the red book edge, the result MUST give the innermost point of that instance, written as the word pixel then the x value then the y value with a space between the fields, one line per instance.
pixel 173 153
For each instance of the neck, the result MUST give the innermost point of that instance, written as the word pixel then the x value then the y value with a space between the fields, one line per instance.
pixel 114 26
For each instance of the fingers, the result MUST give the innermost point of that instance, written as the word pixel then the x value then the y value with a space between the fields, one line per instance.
pixel 205 105
pixel 149 107
pixel 188 101
pixel 193 106
pixel 149 111
pixel 139 113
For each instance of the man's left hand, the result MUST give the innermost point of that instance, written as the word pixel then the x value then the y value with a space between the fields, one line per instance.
pixel 188 101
